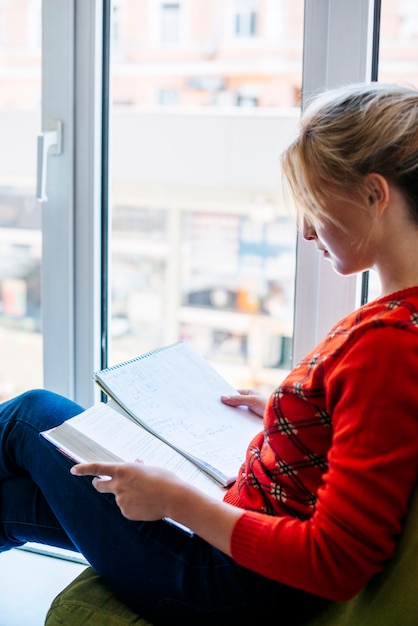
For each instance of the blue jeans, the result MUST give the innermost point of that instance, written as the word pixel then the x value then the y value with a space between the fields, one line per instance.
pixel 164 574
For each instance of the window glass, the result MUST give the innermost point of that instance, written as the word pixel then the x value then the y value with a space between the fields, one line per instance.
pixel 202 245
pixel 20 219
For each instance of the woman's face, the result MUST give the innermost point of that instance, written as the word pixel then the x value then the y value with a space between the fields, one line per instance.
pixel 347 245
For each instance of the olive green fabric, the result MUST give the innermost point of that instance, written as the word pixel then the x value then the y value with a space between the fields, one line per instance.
pixel 87 601
pixel 390 599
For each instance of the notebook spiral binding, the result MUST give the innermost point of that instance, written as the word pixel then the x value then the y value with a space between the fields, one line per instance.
pixel 137 358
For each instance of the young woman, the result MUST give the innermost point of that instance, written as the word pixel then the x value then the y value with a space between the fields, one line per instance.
pixel 322 494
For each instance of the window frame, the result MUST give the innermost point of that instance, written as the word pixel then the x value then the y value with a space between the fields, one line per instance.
pixel 71 294
pixel 337 48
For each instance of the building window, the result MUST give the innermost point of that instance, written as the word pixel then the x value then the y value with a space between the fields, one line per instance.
pixel 170 22
pixel 116 27
pixel 168 97
pixel 245 19
pixel 246 101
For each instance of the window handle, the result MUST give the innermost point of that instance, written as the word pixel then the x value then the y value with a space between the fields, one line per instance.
pixel 49 143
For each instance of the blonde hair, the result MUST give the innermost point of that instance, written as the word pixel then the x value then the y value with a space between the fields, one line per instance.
pixel 347 133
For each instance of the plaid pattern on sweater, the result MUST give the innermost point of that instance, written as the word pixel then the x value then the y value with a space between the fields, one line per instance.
pixel 285 465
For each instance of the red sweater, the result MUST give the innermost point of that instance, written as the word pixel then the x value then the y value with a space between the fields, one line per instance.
pixel 326 485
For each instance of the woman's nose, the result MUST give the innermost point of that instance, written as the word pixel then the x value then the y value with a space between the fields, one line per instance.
pixel 308 231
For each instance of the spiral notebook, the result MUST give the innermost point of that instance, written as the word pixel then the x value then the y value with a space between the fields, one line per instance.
pixel 164 408
pixel 174 393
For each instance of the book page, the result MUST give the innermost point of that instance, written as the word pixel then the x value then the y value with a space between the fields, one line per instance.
pixel 102 434
pixel 176 393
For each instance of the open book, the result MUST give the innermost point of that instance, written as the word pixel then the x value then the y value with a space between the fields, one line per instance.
pixel 165 409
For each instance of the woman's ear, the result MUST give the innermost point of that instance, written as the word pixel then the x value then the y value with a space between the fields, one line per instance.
pixel 377 190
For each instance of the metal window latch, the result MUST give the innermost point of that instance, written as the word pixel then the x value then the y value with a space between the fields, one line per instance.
pixel 49 143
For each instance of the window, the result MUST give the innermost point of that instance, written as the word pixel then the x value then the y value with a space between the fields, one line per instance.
pixel 245 18
pixel 202 246
pixel 170 22
pixel 246 100
pixel 20 215
pixel 168 97
pixel 116 27
pixel 166 276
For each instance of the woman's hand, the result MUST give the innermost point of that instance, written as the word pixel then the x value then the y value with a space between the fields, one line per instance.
pixel 149 493
pixel 247 397
pixel 142 492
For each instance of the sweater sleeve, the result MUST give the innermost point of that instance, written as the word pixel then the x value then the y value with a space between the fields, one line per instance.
pixel 372 396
